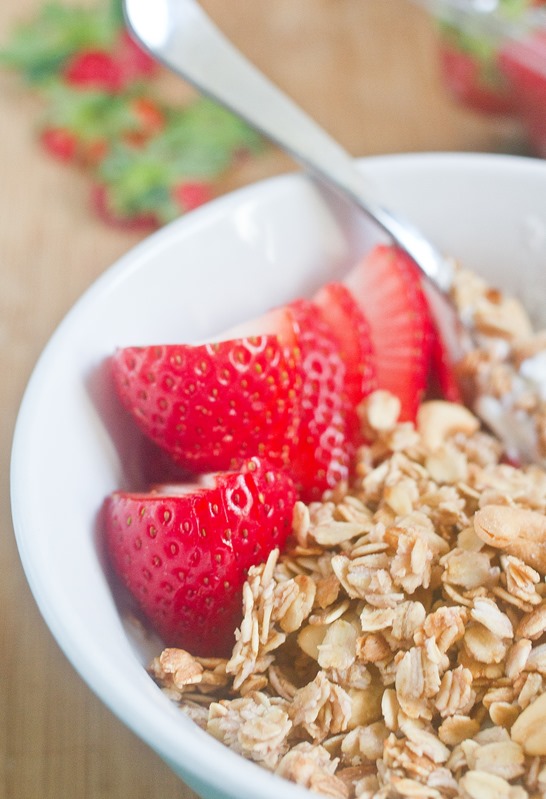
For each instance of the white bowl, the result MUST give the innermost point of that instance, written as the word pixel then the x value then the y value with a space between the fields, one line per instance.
pixel 234 257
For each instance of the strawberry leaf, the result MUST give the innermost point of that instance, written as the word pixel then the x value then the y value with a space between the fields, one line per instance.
pixel 84 113
pixel 136 183
pixel 218 128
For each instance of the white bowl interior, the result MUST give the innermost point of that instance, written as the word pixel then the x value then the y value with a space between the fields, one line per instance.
pixel 232 259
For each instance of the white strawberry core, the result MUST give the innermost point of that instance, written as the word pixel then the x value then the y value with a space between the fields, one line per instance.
pixel 274 323
pixel 202 482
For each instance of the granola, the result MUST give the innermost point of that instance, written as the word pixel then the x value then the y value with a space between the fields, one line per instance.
pixel 397 647
pixel 507 370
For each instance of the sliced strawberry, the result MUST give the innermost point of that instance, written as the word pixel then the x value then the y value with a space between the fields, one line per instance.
pixel 477 85
pixel 523 62
pixel 67 145
pixel 100 69
pixel 191 194
pixel 100 202
pixel 319 458
pixel 134 62
pixel 211 406
pixel 443 381
pixel 184 551
pixel 149 118
pixel 387 286
pixel 94 69
pixel 60 142
pixel 352 331
pixel 274 388
pixel 318 453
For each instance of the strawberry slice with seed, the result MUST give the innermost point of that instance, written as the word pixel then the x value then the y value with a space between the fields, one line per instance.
pixel 387 286
pixel 213 405
pixel 443 380
pixel 184 551
pixel 351 329
pixel 319 455
pixel 273 388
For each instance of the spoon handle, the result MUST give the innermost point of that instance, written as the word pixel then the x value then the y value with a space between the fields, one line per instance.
pixel 181 35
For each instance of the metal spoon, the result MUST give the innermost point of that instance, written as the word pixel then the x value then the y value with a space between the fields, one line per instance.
pixel 180 35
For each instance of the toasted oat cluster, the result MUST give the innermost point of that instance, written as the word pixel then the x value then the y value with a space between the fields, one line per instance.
pixel 397 648
pixel 507 370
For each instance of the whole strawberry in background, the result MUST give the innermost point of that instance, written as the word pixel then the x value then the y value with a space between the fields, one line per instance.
pixel 148 161
pixel 468 54
pixel 523 63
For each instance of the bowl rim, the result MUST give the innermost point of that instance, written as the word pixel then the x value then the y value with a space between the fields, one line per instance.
pixel 232 774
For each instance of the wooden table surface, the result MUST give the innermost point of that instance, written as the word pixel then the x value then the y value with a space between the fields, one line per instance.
pixel 366 69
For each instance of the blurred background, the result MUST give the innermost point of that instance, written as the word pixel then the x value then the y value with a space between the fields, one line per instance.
pixel 92 159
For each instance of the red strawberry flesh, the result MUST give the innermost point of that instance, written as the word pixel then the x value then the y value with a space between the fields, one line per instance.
pixel 192 194
pixel 94 69
pixel 275 391
pixel 443 380
pixel 474 84
pixel 60 142
pixel 319 457
pixel 184 552
pixel 134 62
pixel 351 329
pixel 387 286
pixel 213 405
pixel 523 62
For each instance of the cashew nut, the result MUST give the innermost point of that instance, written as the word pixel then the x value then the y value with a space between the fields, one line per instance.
pixel 437 420
pixel 517 531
